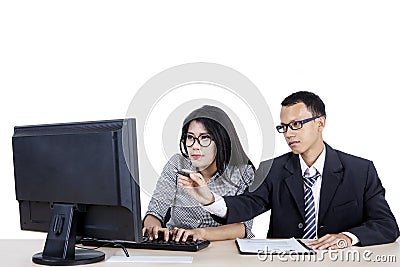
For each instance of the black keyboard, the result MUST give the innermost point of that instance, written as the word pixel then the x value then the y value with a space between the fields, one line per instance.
pixel 148 244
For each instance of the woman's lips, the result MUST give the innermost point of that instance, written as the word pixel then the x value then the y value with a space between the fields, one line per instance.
pixel 196 157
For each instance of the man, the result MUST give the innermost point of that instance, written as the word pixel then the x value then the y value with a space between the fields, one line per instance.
pixel 314 192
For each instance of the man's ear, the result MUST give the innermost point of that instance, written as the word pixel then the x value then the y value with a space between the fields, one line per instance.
pixel 321 122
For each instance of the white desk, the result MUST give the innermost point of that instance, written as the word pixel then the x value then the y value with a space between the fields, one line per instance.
pixel 222 253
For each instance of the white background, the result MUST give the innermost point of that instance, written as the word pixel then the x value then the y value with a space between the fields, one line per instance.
pixel 63 61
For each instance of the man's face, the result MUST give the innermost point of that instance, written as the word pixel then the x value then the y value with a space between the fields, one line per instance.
pixel 309 136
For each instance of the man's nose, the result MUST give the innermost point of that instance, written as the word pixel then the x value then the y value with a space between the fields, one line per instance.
pixel 289 133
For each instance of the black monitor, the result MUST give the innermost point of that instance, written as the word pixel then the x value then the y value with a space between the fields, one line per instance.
pixel 77 179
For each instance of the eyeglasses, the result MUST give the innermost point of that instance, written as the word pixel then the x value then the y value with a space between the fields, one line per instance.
pixel 204 140
pixel 295 125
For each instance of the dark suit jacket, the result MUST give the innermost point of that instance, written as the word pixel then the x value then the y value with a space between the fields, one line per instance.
pixel 352 199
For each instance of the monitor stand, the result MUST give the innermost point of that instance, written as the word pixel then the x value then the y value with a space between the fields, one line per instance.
pixel 59 249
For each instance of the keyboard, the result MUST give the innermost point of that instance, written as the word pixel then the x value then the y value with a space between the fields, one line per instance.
pixel 148 244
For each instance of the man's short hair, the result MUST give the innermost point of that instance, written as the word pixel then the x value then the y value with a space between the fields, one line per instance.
pixel 313 103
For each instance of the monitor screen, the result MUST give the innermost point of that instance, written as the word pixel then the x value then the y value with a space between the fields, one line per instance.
pixel 77 179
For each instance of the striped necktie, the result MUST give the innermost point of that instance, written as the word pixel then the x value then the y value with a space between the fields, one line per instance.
pixel 310 230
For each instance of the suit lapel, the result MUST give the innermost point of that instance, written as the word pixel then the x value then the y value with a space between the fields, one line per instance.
pixel 294 182
pixel 331 178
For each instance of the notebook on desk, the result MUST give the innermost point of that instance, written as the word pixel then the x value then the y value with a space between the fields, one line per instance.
pixel 272 246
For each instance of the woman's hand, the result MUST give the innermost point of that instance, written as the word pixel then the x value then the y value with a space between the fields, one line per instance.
pixel 196 187
pixel 154 231
pixel 152 227
pixel 179 234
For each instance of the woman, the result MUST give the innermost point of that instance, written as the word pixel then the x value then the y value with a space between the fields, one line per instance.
pixel 210 147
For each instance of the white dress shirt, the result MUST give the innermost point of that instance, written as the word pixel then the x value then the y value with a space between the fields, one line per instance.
pixel 316 188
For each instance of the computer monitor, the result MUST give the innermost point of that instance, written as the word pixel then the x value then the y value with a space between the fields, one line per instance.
pixel 77 179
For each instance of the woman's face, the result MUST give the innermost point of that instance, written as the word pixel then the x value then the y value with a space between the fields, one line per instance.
pixel 201 157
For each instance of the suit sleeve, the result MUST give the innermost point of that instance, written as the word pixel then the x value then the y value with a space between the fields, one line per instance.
pixel 250 204
pixel 379 224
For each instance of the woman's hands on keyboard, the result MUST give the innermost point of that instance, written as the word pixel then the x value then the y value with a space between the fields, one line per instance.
pixel 154 231
pixel 180 234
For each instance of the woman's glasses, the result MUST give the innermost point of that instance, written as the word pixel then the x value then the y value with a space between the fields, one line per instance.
pixel 204 140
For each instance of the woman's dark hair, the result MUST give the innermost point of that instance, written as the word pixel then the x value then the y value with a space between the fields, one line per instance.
pixel 313 103
pixel 220 127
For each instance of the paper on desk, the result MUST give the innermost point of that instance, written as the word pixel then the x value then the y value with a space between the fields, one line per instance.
pixel 271 246
pixel 157 259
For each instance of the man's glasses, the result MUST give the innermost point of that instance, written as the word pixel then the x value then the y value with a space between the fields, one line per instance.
pixel 295 125
pixel 204 140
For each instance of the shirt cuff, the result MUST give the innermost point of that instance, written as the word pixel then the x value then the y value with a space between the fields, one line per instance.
pixel 217 208
pixel 354 238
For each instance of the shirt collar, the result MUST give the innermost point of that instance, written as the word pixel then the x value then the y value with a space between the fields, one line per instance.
pixel 215 176
pixel 317 166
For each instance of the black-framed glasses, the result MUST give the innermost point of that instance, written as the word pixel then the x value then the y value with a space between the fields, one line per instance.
pixel 295 125
pixel 204 140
